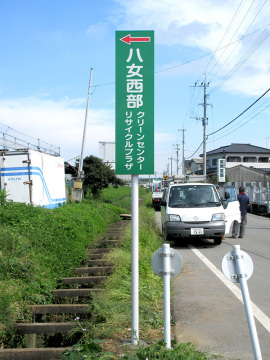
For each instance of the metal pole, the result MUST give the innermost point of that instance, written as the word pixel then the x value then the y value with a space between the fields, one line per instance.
pixel 183 152
pixel 246 298
pixel 84 130
pixel 134 259
pixel 166 290
pixel 204 130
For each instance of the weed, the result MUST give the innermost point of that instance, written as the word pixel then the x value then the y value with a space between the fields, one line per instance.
pixel 3 197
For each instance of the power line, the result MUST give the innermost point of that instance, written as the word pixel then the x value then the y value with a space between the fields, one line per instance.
pixel 233 48
pixel 195 151
pixel 192 60
pixel 222 40
pixel 223 127
pixel 245 57
pixel 243 123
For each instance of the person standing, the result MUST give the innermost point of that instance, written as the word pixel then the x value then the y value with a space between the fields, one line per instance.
pixel 244 204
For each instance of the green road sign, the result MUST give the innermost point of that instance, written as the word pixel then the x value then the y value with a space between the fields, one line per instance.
pixel 134 111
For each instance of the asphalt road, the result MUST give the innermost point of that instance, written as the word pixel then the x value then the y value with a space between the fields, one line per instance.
pixel 208 313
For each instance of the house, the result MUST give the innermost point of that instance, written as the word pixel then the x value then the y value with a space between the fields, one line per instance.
pixel 188 166
pixel 244 163
pixel 239 154
pixel 196 165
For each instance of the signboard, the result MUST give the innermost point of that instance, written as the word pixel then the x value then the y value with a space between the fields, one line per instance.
pixel 134 111
pixel 221 170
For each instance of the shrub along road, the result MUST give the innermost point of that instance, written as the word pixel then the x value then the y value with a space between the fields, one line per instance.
pixel 207 313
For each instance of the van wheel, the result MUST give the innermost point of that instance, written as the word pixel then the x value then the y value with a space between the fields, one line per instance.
pixel 218 240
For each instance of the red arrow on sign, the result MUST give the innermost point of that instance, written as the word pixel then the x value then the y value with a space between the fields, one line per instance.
pixel 128 39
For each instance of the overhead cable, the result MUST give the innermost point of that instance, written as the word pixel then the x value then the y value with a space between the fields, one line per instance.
pixel 223 127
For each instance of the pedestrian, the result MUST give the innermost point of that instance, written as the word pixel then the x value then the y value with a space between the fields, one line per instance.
pixel 244 204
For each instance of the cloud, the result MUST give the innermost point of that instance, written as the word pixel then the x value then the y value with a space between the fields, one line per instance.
pixel 208 25
pixel 58 123
pixel 97 30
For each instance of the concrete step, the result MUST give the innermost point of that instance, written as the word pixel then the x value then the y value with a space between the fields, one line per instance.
pixel 82 280
pixel 46 328
pixel 110 237
pixel 74 292
pixel 111 242
pixel 98 262
pixel 125 216
pixel 95 270
pixel 113 233
pixel 59 309
pixel 32 354
pixel 98 251
pixel 95 256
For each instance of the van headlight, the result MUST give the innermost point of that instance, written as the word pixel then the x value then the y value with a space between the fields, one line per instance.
pixel 218 217
pixel 173 218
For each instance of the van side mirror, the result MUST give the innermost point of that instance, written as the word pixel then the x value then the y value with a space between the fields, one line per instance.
pixel 163 203
pixel 227 195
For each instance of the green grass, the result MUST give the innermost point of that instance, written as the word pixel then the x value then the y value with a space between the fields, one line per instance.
pixel 40 246
pixel 111 310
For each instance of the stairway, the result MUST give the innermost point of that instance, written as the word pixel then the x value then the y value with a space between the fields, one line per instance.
pixel 51 322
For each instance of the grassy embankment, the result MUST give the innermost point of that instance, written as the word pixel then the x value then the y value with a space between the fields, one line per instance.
pixel 39 247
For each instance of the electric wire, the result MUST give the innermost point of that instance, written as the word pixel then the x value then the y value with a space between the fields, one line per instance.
pixel 236 125
pixel 239 64
pixel 242 124
pixel 193 60
pixel 235 14
pixel 194 151
pixel 218 60
pixel 243 60
pixel 237 117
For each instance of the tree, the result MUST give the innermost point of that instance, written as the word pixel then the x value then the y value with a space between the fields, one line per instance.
pixel 98 175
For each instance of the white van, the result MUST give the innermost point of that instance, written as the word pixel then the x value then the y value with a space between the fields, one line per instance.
pixel 196 210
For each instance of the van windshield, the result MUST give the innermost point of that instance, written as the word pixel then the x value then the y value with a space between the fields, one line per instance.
pixel 193 195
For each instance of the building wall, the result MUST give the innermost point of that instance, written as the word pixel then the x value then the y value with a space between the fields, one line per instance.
pixel 107 153
pixel 241 174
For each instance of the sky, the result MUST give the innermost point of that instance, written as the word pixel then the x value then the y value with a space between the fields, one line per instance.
pixel 49 46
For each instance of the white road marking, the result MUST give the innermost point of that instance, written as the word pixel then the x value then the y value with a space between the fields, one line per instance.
pixel 258 314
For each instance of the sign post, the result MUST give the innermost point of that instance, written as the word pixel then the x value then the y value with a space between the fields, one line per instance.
pixel 134 132
pixel 237 266
pixel 166 263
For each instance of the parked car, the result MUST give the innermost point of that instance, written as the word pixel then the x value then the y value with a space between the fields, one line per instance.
pixel 196 210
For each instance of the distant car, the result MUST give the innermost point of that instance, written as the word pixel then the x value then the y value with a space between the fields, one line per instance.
pixel 196 210
pixel 157 193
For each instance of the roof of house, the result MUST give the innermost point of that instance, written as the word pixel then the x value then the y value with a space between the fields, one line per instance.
pixel 197 161
pixel 240 148
pixel 69 169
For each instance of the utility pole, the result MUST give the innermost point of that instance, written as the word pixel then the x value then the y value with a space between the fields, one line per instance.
pixel 84 129
pixel 177 160
pixel 171 158
pixel 204 121
pixel 183 152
